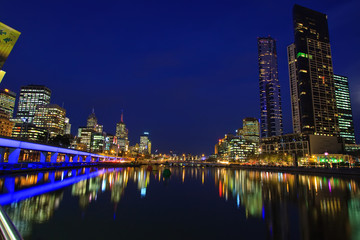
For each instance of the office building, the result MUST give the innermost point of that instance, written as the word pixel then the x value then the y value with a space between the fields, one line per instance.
pixel 30 97
pixel 30 132
pixel 85 135
pixel 234 148
pixel 67 129
pixel 91 120
pixel 6 125
pixel 270 98
pixel 251 130
pixel 122 135
pixel 50 117
pixel 145 144
pixel 8 38
pixel 97 142
pixel 293 88
pixel 7 102
pixel 343 105
pixel 311 75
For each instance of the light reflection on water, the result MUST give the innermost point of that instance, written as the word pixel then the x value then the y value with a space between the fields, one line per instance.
pixel 287 205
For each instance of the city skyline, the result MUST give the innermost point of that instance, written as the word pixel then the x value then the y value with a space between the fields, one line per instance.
pixel 184 101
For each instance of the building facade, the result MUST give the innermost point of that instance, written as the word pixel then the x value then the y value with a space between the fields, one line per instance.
pixel 314 74
pixel 122 135
pixel 67 129
pixel 29 131
pixel 6 126
pixel 145 144
pixel 7 102
pixel 294 95
pixel 30 97
pixel 343 105
pixel 270 97
pixel 50 117
pixel 251 130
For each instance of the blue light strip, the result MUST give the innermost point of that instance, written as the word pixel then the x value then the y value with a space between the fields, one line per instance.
pixel 37 190
pixel 11 143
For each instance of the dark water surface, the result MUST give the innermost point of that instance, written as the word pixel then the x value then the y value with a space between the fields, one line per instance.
pixel 193 203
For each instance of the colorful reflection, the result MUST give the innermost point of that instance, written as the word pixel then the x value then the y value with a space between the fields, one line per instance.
pixel 316 207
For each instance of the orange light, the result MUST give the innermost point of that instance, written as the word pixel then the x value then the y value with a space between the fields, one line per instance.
pixel 6 90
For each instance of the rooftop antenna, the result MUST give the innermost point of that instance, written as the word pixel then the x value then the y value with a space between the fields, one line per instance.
pixel 122 115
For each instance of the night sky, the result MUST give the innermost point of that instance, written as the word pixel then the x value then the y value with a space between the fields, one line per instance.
pixel 186 71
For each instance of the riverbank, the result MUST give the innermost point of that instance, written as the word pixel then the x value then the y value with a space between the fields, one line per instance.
pixel 341 171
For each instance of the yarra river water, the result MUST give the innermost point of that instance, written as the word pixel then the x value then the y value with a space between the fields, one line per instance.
pixel 192 203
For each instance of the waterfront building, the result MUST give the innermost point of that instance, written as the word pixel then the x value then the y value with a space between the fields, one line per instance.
pixel 85 135
pixel 270 99
pixel 251 130
pixel 97 142
pixel 30 97
pixel 301 145
pixel 234 148
pixel 145 144
pixel 111 144
pixel 311 75
pixel 6 125
pixel 7 102
pixel 50 117
pixel 67 128
pixel 343 104
pixel 28 131
pixel 8 38
pixel 294 89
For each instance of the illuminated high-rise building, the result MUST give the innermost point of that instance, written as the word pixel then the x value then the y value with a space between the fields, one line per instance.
pixel 251 130
pixel 6 125
pixel 343 104
pixel 8 38
pixel 294 88
pixel 67 129
pixel 91 120
pixel 145 144
pixel 311 75
pixel 270 99
pixel 122 134
pixel 30 97
pixel 50 117
pixel 7 102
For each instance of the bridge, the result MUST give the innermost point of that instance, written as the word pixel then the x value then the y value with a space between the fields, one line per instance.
pixel 12 148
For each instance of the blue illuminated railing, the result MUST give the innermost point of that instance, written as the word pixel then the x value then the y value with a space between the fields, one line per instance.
pixel 11 197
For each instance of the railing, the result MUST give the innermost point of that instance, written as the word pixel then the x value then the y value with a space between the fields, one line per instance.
pixel 7 228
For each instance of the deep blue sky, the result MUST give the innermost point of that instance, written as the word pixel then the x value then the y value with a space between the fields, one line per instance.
pixel 186 71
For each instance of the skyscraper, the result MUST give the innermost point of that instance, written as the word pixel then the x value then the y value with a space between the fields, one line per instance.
pixel 30 97
pixel 313 80
pixel 270 98
pixel 250 130
pixel 50 117
pixel 293 88
pixel 7 102
pixel 343 104
pixel 122 134
pixel 145 144
pixel 67 127
pixel 91 120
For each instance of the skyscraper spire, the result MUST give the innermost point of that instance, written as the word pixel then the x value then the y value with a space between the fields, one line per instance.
pixel 93 110
pixel 122 115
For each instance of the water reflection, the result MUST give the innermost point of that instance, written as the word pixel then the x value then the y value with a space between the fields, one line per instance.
pixel 307 207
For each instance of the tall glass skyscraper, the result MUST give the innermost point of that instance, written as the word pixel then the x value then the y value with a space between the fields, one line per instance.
pixel 343 104
pixel 30 97
pixel 311 75
pixel 270 98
